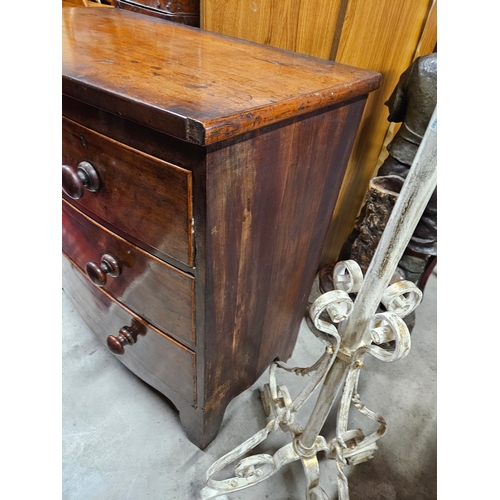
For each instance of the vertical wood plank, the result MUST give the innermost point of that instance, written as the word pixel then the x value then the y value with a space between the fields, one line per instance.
pixel 428 40
pixel 269 200
pixel 305 26
pixel 426 45
pixel 382 36
pixel 319 19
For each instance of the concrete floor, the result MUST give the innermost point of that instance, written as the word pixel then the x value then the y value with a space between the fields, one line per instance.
pixel 123 440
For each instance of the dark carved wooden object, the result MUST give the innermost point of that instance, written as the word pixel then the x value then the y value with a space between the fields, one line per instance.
pixel 380 199
pixel 179 11
pixel 412 103
pixel 220 162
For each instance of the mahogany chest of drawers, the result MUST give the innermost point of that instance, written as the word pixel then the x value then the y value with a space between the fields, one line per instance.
pixel 200 174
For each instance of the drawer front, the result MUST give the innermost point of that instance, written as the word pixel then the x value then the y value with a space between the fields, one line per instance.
pixel 141 197
pixel 157 359
pixel 161 294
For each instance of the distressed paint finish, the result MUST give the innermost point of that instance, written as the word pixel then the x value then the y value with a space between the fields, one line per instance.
pixel 362 330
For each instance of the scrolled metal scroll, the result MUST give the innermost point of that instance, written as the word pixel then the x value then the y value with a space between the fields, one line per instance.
pixel 277 402
pixel 347 276
pixel 386 327
pixel 337 305
pixel 215 488
pixel 402 298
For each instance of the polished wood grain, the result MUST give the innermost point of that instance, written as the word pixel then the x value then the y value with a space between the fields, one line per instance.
pixel 192 84
pixel 426 45
pixel 265 136
pixel 138 194
pixel 428 40
pixel 165 147
pixel 180 11
pixel 170 366
pixel 269 201
pixel 161 294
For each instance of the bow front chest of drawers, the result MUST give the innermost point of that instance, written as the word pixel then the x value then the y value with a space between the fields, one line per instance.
pixel 200 174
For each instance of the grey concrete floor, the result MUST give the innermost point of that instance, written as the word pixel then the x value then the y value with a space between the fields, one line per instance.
pixel 123 440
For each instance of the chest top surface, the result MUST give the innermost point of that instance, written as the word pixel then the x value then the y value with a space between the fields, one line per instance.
pixel 195 85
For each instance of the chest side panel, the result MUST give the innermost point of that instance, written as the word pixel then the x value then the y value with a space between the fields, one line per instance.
pixel 269 203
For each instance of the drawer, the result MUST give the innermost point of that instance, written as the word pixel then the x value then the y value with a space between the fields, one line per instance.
pixel 142 198
pixel 158 292
pixel 154 357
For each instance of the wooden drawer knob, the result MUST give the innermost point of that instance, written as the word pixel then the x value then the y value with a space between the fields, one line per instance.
pixel 126 336
pixel 97 273
pixel 75 180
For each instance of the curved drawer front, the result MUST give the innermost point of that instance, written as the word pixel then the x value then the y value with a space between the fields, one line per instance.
pixel 146 199
pixel 161 294
pixel 154 357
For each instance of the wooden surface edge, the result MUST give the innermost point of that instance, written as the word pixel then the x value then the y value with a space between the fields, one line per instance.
pixel 227 127
pixel 224 128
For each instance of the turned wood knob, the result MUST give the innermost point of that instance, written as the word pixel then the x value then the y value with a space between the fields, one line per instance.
pixel 75 180
pixel 126 336
pixel 97 273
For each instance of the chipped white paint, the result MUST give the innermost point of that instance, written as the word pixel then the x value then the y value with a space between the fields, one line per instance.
pixel 351 331
pixel 347 276
pixel 337 304
pixel 402 298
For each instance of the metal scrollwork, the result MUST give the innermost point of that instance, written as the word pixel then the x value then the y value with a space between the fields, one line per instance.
pixel 370 324
pixel 387 327
pixel 402 298
pixel 347 276
pixel 349 446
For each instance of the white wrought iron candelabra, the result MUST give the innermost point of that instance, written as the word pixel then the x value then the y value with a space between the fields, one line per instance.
pixel 350 329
